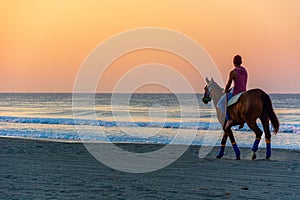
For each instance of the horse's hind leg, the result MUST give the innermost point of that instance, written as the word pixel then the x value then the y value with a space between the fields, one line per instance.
pixel 266 127
pixel 253 126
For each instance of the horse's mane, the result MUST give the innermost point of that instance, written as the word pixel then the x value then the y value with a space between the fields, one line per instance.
pixel 213 84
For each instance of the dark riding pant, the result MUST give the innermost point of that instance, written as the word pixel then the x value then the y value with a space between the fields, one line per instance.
pixel 229 96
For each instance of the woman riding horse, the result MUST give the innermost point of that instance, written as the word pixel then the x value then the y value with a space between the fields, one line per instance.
pixel 251 105
pixel 239 76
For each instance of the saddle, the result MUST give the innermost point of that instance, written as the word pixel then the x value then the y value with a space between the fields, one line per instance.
pixel 234 99
pixel 222 102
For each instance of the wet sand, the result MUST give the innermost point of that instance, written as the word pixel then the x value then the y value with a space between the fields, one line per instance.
pixel 32 169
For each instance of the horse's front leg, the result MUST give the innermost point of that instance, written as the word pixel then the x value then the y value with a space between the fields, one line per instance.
pixel 223 144
pixel 234 145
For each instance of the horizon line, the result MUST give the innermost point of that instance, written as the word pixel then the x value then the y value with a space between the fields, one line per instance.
pixel 56 92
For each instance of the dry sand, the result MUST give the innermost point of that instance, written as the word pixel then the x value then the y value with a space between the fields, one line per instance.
pixel 32 169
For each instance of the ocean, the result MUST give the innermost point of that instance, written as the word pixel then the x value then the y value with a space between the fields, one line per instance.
pixel 145 118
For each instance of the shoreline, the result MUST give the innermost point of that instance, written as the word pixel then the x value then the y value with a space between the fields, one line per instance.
pixel 120 143
pixel 44 169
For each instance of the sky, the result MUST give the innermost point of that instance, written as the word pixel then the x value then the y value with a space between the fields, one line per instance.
pixel 44 42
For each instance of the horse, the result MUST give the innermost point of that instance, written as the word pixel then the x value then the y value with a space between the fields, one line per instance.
pixel 251 105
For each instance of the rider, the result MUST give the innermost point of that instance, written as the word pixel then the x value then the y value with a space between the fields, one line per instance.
pixel 239 76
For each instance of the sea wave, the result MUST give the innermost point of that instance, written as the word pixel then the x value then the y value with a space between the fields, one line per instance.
pixel 284 128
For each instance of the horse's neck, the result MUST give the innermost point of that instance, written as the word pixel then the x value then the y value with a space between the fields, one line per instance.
pixel 217 94
pixel 215 101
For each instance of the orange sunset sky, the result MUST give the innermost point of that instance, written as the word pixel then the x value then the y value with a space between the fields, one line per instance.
pixel 44 42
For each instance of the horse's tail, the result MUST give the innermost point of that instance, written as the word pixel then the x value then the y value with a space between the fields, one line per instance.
pixel 269 109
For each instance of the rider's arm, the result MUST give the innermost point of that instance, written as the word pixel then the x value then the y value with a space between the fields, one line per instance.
pixel 231 78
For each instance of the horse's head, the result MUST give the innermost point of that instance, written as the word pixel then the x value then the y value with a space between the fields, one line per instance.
pixel 207 98
pixel 209 89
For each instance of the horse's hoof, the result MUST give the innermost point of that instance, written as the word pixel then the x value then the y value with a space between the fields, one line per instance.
pixel 238 158
pixel 268 155
pixel 220 155
pixel 253 155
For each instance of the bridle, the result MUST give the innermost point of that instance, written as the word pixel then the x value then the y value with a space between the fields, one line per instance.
pixel 210 86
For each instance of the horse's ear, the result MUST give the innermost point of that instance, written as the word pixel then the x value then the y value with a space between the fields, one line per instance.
pixel 206 79
pixel 212 80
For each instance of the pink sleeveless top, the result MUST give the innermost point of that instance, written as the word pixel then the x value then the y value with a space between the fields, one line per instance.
pixel 241 80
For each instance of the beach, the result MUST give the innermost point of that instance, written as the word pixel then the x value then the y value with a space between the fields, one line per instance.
pixel 36 169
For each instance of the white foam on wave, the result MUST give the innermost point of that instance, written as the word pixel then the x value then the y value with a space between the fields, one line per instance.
pixel 284 128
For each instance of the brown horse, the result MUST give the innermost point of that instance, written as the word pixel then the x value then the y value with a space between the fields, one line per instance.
pixel 251 105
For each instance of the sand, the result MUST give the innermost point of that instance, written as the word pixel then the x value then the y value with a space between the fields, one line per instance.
pixel 32 169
